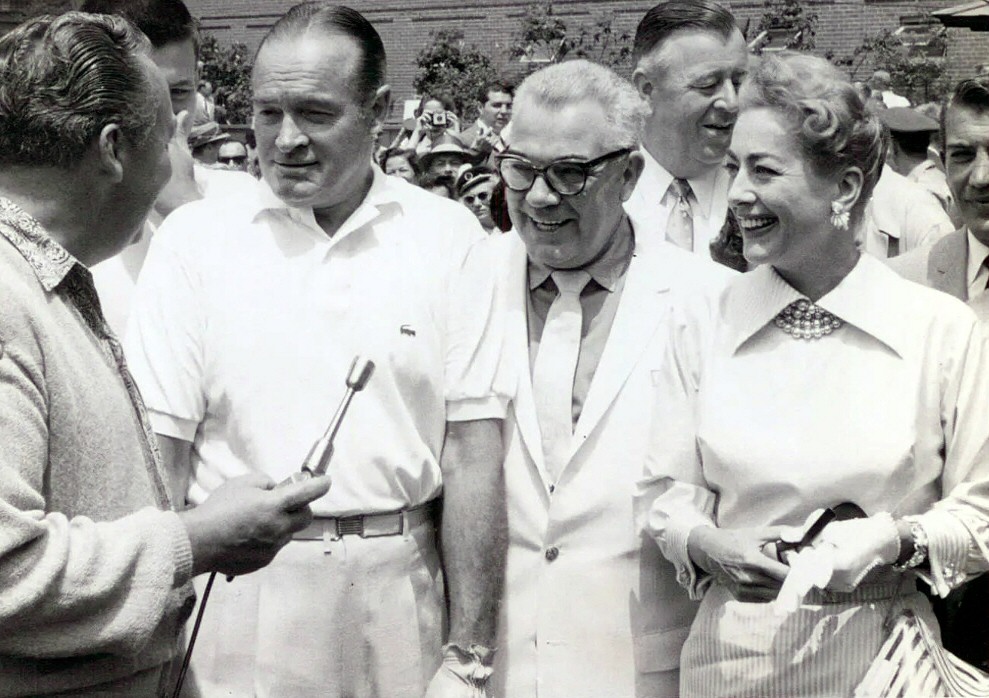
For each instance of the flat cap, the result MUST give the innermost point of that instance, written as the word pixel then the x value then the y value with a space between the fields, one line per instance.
pixel 906 120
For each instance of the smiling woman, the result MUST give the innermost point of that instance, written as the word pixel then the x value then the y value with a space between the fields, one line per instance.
pixel 855 386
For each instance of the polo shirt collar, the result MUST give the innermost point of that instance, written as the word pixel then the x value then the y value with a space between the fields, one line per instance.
pixel 659 180
pixel 382 193
pixel 866 298
pixel 50 261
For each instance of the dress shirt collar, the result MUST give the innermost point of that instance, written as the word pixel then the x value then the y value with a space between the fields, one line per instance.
pixel 977 253
pixel 607 271
pixel 866 298
pixel 50 261
pixel 659 180
pixel 383 192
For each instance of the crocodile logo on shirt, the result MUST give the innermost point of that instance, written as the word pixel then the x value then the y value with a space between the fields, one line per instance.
pixel 407 330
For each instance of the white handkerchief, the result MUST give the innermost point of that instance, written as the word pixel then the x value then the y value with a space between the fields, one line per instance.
pixel 809 569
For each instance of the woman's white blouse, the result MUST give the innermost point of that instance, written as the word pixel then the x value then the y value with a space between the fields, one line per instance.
pixel 890 412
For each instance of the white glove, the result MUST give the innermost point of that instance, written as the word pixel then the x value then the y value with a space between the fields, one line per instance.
pixel 858 546
pixel 462 674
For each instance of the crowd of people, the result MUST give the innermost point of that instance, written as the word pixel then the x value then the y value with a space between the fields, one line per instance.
pixel 684 395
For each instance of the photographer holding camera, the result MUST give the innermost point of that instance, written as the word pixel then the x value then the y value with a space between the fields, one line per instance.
pixel 433 117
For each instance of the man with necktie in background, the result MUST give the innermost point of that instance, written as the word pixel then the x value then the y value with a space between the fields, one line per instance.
pixel 690 59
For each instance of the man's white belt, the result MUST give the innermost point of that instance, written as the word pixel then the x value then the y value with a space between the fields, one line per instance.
pixel 393 523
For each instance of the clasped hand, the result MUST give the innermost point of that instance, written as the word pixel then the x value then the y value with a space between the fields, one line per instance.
pixel 246 521
pixel 856 547
pixel 743 560
pixel 738 560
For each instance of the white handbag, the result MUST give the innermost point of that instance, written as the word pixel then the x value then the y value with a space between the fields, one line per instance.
pixel 912 663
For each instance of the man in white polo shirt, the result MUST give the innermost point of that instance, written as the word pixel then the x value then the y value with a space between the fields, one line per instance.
pixel 246 318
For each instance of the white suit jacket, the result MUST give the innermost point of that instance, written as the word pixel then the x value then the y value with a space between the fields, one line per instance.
pixel 591 608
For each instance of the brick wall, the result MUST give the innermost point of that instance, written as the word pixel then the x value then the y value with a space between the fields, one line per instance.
pixel 842 25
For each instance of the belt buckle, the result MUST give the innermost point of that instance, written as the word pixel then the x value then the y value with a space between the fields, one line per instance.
pixel 350 525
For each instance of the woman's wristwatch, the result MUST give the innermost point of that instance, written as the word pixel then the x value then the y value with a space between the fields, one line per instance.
pixel 919 556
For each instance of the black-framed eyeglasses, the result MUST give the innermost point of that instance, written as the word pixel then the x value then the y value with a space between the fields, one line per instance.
pixel 565 177
pixel 231 159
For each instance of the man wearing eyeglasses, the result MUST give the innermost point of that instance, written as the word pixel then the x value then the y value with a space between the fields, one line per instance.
pixel 589 607
pixel 475 186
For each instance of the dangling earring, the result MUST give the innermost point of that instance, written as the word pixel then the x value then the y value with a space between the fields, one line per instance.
pixel 839 216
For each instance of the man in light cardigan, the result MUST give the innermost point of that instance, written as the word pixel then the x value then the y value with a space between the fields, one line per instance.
pixel 94 566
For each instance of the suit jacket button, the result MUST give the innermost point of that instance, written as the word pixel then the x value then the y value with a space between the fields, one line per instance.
pixel 552 553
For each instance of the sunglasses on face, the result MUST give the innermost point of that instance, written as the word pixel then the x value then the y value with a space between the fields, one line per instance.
pixel 232 159
pixel 481 196
pixel 565 177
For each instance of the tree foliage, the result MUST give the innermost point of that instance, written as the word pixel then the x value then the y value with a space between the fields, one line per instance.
pixel 918 71
pixel 228 68
pixel 544 37
pixel 790 16
pixel 450 66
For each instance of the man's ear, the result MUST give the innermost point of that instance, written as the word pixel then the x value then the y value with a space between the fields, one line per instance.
pixel 378 109
pixel 109 152
pixel 642 83
pixel 633 170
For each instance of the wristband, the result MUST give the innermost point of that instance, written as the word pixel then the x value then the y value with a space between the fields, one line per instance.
pixel 919 536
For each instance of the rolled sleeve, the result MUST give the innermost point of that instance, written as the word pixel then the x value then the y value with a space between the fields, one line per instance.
pixel 164 340
pixel 948 545
pixel 175 427
pixel 673 497
pixel 957 527
pixel 673 515
pixel 477 381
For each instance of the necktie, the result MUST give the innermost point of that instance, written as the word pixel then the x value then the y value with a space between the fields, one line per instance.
pixel 680 224
pixel 556 363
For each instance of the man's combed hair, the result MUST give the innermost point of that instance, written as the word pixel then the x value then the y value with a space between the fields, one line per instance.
pixel 162 21
pixel 494 86
pixel 676 15
pixel 971 94
pixel 62 80
pixel 337 19
pixel 570 82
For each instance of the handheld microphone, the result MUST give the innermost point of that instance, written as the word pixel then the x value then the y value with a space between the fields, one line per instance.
pixel 315 465
pixel 318 460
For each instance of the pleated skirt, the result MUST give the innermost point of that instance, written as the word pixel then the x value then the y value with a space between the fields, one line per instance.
pixel 739 649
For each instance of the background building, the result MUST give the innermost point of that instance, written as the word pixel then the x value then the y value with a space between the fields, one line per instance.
pixel 406 28
pixel 493 25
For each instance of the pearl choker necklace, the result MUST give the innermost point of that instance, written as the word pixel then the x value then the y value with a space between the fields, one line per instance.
pixel 805 320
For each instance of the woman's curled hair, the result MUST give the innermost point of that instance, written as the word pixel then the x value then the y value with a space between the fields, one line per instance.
pixel 831 123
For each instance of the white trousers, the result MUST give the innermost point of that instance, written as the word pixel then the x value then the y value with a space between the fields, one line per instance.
pixel 352 618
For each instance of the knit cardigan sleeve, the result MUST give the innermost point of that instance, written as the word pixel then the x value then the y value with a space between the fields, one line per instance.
pixel 72 586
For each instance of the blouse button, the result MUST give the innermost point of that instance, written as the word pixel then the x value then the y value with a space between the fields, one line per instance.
pixel 552 553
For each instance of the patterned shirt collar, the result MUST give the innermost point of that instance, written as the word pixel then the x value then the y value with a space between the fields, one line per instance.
pixel 50 261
